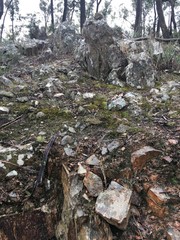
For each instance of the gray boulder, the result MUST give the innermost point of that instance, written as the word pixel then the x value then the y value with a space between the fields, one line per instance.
pixel 98 52
pixel 140 71
pixel 66 37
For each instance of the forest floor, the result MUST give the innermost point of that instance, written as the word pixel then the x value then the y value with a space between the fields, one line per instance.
pixel 46 98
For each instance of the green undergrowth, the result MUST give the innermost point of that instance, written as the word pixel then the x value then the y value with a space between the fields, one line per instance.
pixel 55 112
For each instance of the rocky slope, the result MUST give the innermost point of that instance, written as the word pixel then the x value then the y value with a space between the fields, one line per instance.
pixel 83 159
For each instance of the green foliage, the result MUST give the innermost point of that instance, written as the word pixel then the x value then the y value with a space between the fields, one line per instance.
pixel 33 26
pixel 170 59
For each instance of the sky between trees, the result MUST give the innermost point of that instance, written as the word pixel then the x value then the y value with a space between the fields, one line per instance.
pixel 160 17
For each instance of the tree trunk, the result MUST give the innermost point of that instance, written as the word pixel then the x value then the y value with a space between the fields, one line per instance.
pixel 52 14
pixel 1 8
pixel 162 23
pixel 172 3
pixel 155 19
pixel 64 18
pixel 138 20
pixel 82 13
pixel 97 5
pixel 2 27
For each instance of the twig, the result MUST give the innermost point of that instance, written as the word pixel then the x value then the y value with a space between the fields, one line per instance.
pixel 11 122
pixel 44 162
pixel 3 161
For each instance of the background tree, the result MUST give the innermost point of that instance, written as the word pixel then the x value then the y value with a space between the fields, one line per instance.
pixel 33 26
pixel 82 13
pixel 161 20
pixel 98 2
pixel 45 8
pixel 172 25
pixel 65 11
pixel 52 15
pixel 90 8
pixel 138 19
pixel 107 9
pixel 1 8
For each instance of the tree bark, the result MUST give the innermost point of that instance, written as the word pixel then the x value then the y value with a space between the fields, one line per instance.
pixel 82 13
pixel 65 11
pixel 173 21
pixel 98 2
pixel 2 27
pixel 138 20
pixel 161 19
pixel 52 14
pixel 1 8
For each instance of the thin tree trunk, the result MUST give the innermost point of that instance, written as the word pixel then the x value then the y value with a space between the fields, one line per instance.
pixel 2 27
pixel 162 23
pixel 97 5
pixel 138 20
pixel 52 15
pixel 1 8
pixel 155 19
pixel 82 13
pixel 172 21
pixel 65 11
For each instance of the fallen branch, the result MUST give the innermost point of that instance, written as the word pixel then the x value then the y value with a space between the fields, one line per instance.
pixel 44 162
pixel 11 122
pixel 159 39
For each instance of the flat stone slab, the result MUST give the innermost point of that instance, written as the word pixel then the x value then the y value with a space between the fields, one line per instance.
pixel 140 157
pixel 114 205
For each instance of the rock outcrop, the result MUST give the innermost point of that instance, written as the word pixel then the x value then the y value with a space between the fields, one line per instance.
pixel 98 52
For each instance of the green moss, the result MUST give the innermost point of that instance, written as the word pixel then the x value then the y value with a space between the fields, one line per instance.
pixel 54 112
pixel 63 77
pixel 20 108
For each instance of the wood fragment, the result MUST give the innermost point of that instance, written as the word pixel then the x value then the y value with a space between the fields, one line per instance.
pixel 44 162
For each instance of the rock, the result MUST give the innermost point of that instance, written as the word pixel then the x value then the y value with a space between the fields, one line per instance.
pixel 104 150
pixel 93 184
pixel 22 99
pixel 113 78
pixel 4 93
pixel 71 130
pixel 118 103
pixel 53 86
pixel 113 146
pixel 5 81
pixel 69 152
pixel 40 115
pixel 75 207
pixel 88 95
pixel 9 54
pixel 168 159
pixel 32 47
pixel 81 170
pixel 122 128
pixel 4 110
pixel 157 194
pixel 140 71
pixel 98 52
pixel 173 141
pixel 93 160
pixel 13 173
pixel 133 97
pixel 66 140
pixel 114 205
pixel 173 234
pixel 157 199
pixel 66 37
pixel 58 95
pixel 20 160
pixel 101 230
pixel 140 157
